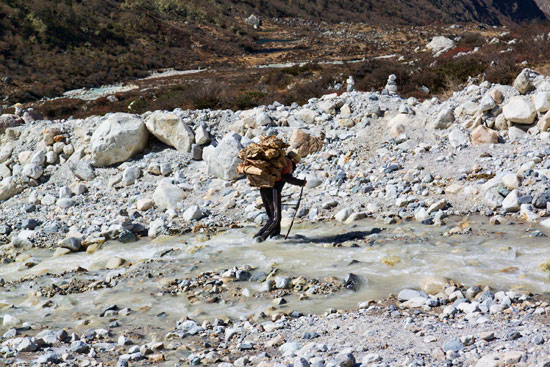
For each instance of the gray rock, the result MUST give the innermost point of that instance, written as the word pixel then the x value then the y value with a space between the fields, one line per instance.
pixel 26 345
pixel 196 152
pixel 192 213
pixel 454 345
pixel 345 360
pixel 82 170
pixel 80 347
pixel 71 243
pixel 282 282
pixel 130 175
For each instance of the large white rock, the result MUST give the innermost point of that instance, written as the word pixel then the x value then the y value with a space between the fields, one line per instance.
pixel 440 44
pixel 10 186
pixel 223 161
pixel 167 195
pixel 171 130
pixel 520 109
pixel 541 101
pixel 117 139
pixel 33 171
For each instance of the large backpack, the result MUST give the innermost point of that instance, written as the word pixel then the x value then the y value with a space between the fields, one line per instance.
pixel 262 163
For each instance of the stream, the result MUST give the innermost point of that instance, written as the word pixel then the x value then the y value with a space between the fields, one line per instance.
pixel 386 259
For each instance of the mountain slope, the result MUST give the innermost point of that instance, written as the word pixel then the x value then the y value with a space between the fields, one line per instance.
pixel 48 46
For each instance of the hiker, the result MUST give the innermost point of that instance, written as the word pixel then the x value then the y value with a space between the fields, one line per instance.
pixel 271 198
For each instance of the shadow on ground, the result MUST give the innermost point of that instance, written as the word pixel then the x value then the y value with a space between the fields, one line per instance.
pixel 336 238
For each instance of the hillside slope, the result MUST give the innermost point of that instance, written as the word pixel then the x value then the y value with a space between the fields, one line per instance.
pixel 48 47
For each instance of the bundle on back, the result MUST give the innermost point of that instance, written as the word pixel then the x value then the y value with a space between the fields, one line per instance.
pixel 262 163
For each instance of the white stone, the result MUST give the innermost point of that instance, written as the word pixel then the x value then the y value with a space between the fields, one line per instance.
pixel 306 115
pixel 192 213
pixel 408 294
pixel 144 204
pixel 487 103
pixel 130 175
pixel 519 109
pixel 171 130
pixel 33 171
pixel 440 44
pixel 421 214
pixel 511 181
pixel 118 138
pixel 5 153
pixel 5 171
pixel 156 228
pixel 343 214
pixel 515 133
pixel 541 100
pixel 51 157
pixel 24 156
pixel 10 321
pixel 222 161
pixel 167 195
pixel 202 136
pixel 262 119
pixel 39 158
pixel 444 119
pixel 458 138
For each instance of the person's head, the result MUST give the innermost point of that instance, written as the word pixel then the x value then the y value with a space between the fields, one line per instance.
pixel 294 157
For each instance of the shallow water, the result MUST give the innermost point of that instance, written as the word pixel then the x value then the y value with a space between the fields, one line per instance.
pixel 400 256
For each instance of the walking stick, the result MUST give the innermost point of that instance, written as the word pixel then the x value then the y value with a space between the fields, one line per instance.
pixel 294 217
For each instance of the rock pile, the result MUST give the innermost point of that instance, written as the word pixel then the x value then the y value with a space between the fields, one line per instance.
pixel 483 151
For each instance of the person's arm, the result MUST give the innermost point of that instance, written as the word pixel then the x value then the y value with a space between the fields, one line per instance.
pixel 288 178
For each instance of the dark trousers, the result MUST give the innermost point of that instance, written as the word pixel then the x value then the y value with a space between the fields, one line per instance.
pixel 272 199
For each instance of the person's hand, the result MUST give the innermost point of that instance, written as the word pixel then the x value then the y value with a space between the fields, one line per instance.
pixel 304 183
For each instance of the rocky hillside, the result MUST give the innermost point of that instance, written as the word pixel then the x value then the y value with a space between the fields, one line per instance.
pixel 48 47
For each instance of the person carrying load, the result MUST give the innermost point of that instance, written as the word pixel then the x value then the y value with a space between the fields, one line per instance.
pixel 269 167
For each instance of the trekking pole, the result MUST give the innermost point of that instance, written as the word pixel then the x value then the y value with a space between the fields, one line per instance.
pixel 294 217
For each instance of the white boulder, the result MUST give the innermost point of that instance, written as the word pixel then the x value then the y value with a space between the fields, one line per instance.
pixel 171 130
pixel 118 138
pixel 520 109
pixel 541 101
pixel 440 44
pixel 223 161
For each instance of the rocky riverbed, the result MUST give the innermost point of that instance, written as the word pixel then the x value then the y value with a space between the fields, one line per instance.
pixel 95 189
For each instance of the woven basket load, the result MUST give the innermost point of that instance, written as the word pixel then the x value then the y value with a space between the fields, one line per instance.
pixel 262 163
